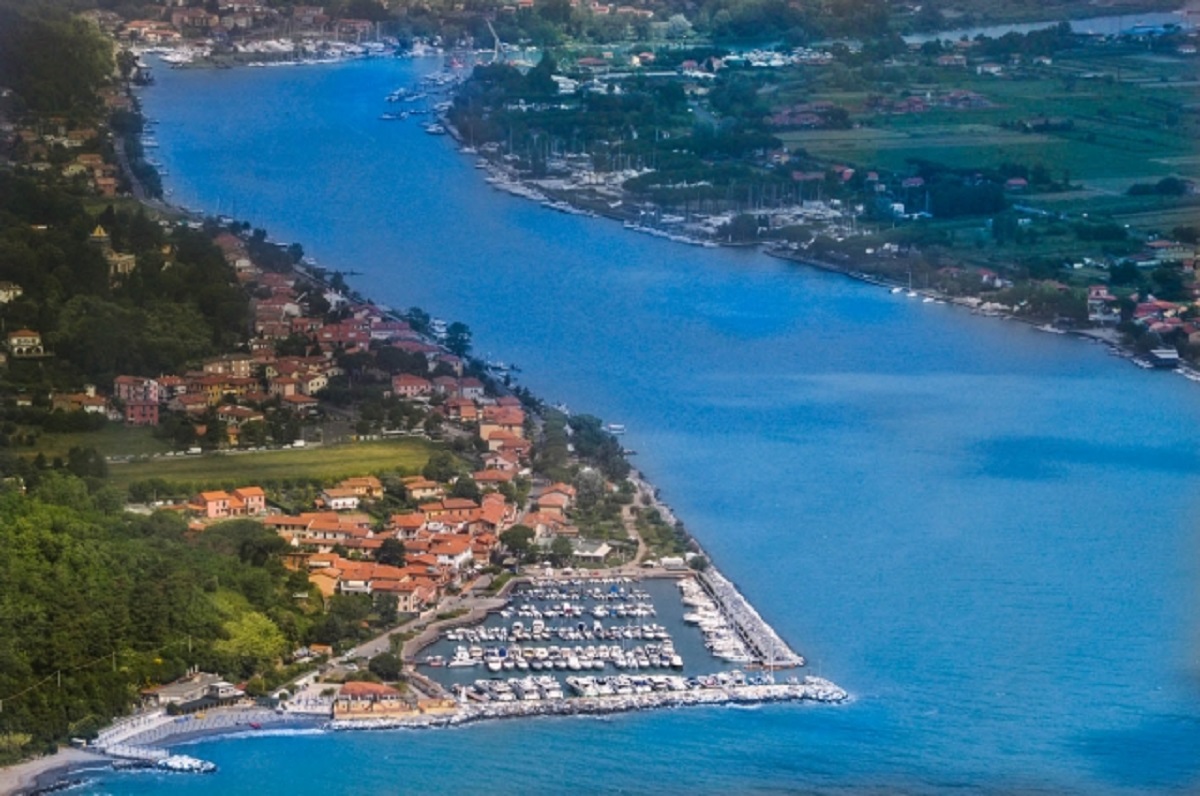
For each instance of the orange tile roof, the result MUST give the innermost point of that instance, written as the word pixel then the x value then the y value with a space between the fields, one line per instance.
pixel 363 690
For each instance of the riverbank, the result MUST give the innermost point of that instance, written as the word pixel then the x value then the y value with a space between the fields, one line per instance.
pixel 1107 336
pixel 144 740
pixel 803 427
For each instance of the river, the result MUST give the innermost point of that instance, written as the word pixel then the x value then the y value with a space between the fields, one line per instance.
pixel 985 533
pixel 1098 26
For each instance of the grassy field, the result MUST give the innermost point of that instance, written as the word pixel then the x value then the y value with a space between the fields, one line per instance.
pixel 1122 132
pixel 325 463
pixel 113 440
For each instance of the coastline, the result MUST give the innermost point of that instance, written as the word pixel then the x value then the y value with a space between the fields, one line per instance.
pixel 564 200
pixel 1101 335
pixel 147 746
pixel 42 773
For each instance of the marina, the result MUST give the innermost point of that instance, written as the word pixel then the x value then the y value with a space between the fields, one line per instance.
pixel 716 693
pixel 558 627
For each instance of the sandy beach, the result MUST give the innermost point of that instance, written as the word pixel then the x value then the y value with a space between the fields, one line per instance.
pixel 24 777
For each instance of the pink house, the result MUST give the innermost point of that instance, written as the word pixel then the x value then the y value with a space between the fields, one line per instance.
pixel 406 385
pixel 219 504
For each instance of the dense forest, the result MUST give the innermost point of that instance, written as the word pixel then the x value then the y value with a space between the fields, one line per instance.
pixel 98 603
pixel 181 302
pixel 53 61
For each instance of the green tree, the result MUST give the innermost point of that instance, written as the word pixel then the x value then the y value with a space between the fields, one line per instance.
pixel 458 338
pixel 465 487
pixel 518 539
pixel 561 550
pixel 387 666
pixel 252 641
pixel 391 552
pixel 441 466
pixel 54 61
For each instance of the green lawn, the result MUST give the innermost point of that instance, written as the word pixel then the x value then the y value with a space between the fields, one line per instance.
pixel 113 440
pixel 325 463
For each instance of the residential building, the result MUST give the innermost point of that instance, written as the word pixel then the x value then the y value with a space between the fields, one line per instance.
pixel 25 344
pixel 407 385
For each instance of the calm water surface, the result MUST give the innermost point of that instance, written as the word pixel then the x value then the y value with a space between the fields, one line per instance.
pixel 985 533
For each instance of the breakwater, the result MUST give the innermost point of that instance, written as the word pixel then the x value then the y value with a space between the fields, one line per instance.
pixel 813 689
pixel 760 639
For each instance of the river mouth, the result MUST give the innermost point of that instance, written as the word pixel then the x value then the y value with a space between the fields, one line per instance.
pixel 985 532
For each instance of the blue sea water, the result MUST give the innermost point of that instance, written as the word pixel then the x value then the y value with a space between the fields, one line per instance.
pixel 985 533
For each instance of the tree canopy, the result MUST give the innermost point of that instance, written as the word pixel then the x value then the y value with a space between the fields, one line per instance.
pixel 54 61
pixel 97 604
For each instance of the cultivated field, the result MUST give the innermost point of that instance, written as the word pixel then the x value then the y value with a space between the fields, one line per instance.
pixel 324 463
pixel 1131 119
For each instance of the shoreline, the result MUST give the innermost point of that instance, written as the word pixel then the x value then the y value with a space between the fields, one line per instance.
pixel 145 740
pixel 504 178
pixel 44 773
pixel 1105 336
pixel 59 771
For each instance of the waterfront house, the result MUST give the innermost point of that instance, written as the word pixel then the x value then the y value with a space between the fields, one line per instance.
pixel 411 596
pixel 368 700
pixel 452 550
pixel 359 577
pixel 193 692
pixel 591 551
pixel 545 525
pixel 1102 306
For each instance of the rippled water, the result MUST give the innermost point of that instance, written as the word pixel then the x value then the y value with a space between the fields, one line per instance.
pixel 985 533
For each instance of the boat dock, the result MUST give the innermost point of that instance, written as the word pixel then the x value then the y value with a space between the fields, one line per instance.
pixel 810 688
pixel 768 649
